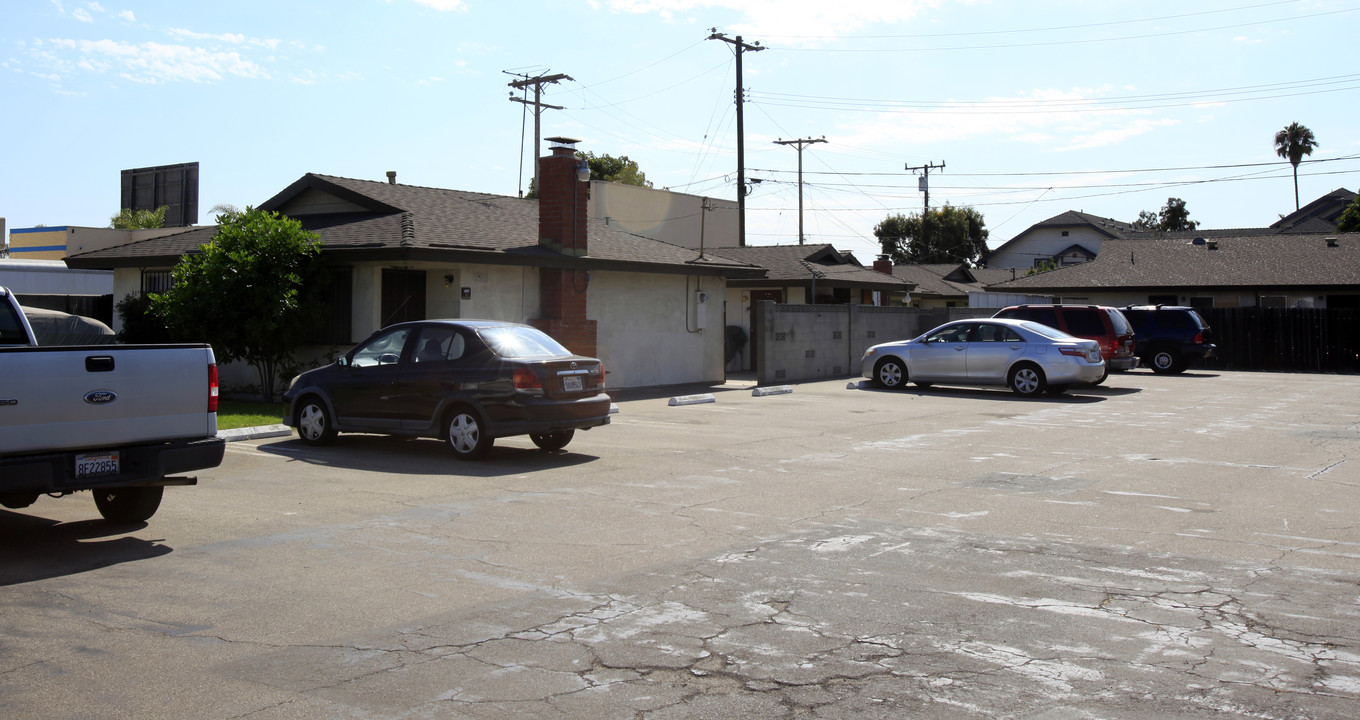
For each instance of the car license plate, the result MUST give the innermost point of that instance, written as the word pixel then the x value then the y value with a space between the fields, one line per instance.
pixel 96 464
pixel 572 383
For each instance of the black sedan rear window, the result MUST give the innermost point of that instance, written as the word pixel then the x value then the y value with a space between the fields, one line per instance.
pixel 522 342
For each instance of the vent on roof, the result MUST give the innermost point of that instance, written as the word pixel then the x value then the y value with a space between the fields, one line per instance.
pixel 1213 244
pixel 391 177
pixel 1331 242
pixel 1197 241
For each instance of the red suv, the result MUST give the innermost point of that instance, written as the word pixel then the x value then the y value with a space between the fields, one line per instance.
pixel 1105 325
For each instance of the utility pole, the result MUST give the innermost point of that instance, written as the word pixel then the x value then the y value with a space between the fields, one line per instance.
pixel 800 144
pixel 739 47
pixel 924 184
pixel 537 83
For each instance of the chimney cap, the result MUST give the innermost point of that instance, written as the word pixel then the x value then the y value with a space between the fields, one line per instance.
pixel 562 140
pixel 392 177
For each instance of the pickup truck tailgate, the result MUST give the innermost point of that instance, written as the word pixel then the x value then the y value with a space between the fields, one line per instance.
pixel 75 397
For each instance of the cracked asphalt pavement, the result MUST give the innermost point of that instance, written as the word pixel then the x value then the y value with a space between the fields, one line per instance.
pixel 1165 547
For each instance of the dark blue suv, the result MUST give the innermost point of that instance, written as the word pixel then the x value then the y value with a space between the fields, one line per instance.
pixel 1169 336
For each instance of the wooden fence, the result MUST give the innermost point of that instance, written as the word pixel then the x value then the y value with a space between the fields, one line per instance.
pixel 1285 339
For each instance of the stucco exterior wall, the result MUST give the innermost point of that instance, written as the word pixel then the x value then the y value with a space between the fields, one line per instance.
pixel 670 217
pixel 1044 243
pixel 647 332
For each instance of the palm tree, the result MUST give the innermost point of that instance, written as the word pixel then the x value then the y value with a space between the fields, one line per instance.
pixel 1293 143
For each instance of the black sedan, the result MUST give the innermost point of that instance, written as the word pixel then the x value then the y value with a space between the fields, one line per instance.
pixel 466 381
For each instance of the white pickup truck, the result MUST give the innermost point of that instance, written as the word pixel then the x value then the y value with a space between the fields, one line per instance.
pixel 122 421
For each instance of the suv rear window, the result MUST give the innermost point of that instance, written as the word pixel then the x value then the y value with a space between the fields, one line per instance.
pixel 1084 321
pixel 1176 320
pixel 1119 322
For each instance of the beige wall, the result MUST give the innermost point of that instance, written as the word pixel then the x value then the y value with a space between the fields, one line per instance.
pixel 647 332
pixel 670 217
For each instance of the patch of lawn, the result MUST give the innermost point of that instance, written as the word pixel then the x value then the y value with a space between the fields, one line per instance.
pixel 232 414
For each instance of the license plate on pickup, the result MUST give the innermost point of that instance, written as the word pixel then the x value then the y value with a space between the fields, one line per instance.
pixel 572 383
pixel 96 464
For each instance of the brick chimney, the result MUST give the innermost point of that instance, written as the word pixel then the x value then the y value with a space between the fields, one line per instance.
pixel 562 292
pixel 883 264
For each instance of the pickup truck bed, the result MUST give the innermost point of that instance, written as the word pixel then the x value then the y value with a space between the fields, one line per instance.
pixel 123 421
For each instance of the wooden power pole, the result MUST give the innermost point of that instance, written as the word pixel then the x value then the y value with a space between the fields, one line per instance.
pixel 537 83
pixel 800 144
pixel 739 47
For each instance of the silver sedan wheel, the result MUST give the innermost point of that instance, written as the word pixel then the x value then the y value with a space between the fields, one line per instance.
pixel 1027 381
pixel 889 373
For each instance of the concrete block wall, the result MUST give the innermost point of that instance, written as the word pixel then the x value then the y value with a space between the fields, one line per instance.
pixel 799 343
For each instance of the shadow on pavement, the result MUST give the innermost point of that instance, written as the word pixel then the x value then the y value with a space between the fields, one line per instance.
pixel 37 548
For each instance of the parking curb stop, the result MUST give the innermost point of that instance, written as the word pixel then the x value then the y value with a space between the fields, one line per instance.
pixel 857 385
pixel 254 433
pixel 691 399
pixel 772 390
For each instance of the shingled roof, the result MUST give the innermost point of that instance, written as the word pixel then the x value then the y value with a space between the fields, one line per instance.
pixel 800 264
pixel 368 220
pixel 956 280
pixel 1323 261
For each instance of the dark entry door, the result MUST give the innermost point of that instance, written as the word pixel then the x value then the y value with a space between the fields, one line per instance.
pixel 403 296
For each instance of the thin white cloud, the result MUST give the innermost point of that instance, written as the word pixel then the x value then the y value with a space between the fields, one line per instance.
pixel 1024 119
pixel 128 16
pixel 231 38
pixel 151 62
pixel 82 15
pixel 791 19
pixel 444 5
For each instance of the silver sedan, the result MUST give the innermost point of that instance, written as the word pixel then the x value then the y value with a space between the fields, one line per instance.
pixel 1025 356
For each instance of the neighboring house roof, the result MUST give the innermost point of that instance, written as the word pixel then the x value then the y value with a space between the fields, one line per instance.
pixel 799 265
pixel 1324 261
pixel 949 279
pixel 1317 216
pixel 1108 227
pixel 362 219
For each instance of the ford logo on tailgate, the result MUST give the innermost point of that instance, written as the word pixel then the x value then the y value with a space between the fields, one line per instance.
pixel 100 397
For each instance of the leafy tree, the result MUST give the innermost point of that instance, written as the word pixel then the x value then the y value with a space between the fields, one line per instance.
pixel 1173 216
pixel 1147 220
pixel 141 324
pixel 135 219
pixel 1292 143
pixel 615 169
pixel 1350 217
pixel 947 235
pixel 253 292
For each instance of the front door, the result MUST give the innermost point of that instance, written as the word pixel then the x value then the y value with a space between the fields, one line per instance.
pixel 941 356
pixel 403 295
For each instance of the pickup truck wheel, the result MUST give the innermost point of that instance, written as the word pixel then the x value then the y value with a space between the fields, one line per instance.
pixel 467 435
pixel 314 423
pixel 553 440
pixel 128 505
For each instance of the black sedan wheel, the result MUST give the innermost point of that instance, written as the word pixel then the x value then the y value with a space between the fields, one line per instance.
pixel 467 435
pixel 890 373
pixel 314 422
pixel 553 440
pixel 1027 380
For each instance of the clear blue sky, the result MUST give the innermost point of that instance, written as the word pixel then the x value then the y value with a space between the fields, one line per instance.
pixel 1034 107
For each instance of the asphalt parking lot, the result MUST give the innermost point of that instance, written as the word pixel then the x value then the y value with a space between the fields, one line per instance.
pixel 1183 547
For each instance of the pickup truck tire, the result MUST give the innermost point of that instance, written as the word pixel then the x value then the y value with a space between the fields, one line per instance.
pixel 314 423
pixel 127 505
pixel 552 440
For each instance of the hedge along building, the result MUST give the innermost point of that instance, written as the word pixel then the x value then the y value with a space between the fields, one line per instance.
pixel 650 310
